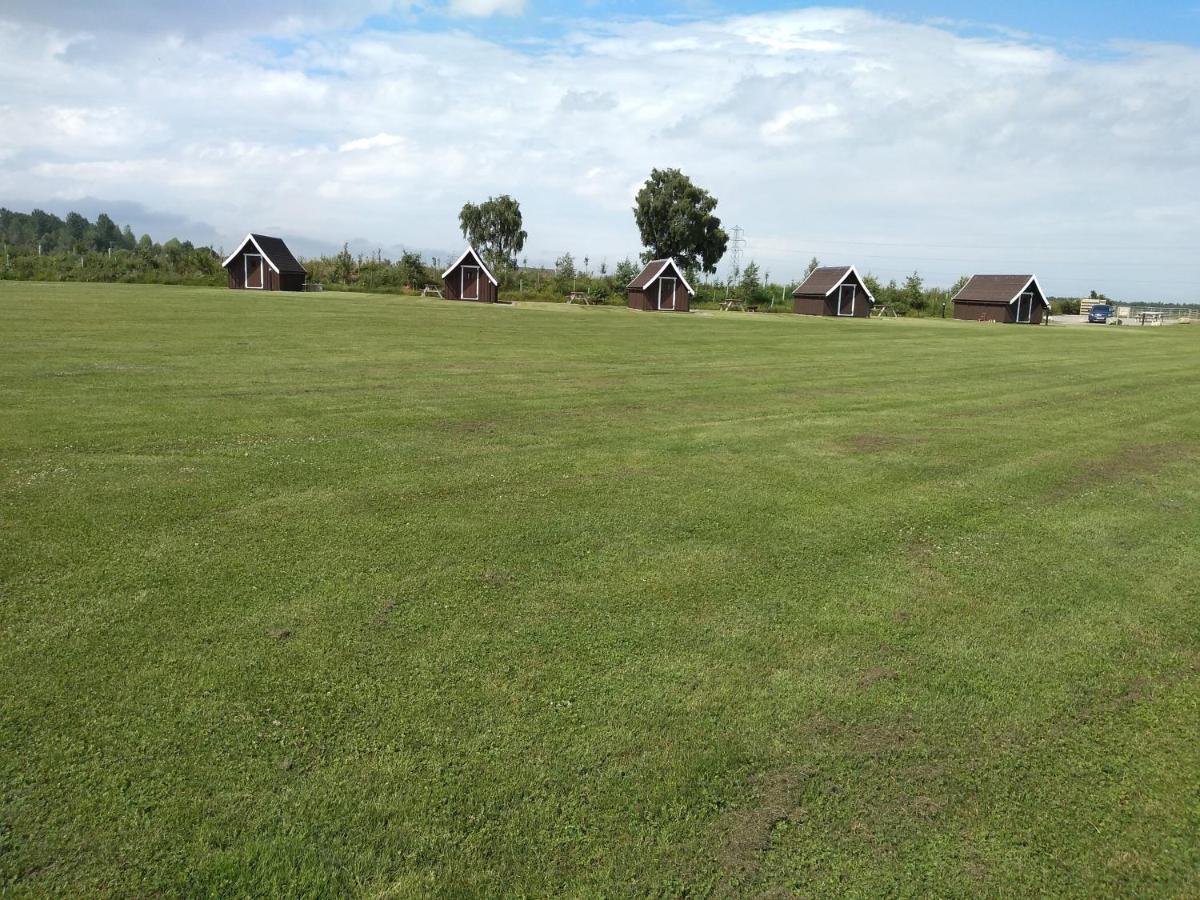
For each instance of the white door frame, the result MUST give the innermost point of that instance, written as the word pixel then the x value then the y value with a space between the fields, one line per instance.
pixel 1028 295
pixel 462 282
pixel 674 288
pixel 853 298
pixel 262 275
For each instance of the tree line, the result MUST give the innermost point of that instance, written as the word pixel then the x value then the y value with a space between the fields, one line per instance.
pixel 674 216
pixel 40 246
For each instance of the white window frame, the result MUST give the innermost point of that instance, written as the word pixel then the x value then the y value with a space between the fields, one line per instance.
pixel 462 282
pixel 674 288
pixel 262 275
pixel 853 299
pixel 1021 298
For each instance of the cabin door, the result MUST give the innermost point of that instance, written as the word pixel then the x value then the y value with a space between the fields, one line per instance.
pixel 846 297
pixel 470 282
pixel 666 293
pixel 1024 308
pixel 254 271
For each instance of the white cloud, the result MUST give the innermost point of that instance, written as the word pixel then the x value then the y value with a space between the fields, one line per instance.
pixel 380 140
pixel 792 123
pixel 486 7
pixel 828 132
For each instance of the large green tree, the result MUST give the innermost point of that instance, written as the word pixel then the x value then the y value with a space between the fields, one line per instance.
pixel 413 271
pixel 914 291
pixel 107 234
pixel 494 228
pixel 675 218
pixel 77 229
pixel 624 272
pixel 752 287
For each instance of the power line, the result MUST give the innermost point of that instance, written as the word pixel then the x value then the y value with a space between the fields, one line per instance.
pixel 1053 262
pixel 736 245
pixel 1018 247
pixel 976 258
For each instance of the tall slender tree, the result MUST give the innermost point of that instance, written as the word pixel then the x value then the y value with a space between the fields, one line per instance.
pixel 494 228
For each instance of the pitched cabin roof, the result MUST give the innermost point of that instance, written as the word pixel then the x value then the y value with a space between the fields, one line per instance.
pixel 470 251
pixel 999 289
pixel 653 270
pixel 825 280
pixel 273 250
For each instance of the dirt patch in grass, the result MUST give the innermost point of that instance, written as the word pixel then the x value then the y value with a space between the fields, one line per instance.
pixel 875 739
pixel 927 807
pixel 748 832
pixel 776 893
pixel 384 616
pixel 469 426
pixel 498 579
pixel 624 473
pixel 1138 690
pixel 920 555
pixel 870 442
pixel 1153 457
pixel 919 552
pixel 1128 463
pixel 976 870
pixel 279 634
pixel 912 788
pixel 872 676
pixel 882 739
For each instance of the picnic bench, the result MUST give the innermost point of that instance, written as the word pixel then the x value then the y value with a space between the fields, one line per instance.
pixel 729 304
pixel 431 290
pixel 581 297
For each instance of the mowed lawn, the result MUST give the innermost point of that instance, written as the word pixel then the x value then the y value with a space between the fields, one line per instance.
pixel 327 594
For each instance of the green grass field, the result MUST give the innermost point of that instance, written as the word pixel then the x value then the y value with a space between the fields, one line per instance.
pixel 336 594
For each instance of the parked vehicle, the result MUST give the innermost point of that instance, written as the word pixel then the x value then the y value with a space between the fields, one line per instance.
pixel 1100 313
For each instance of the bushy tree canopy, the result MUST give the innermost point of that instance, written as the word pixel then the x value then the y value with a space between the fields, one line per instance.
pixel 494 229
pixel 624 272
pixel 914 291
pixel 564 266
pixel 675 218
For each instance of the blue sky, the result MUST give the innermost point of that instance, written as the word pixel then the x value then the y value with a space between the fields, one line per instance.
pixel 1061 139
pixel 1150 20
pixel 1075 23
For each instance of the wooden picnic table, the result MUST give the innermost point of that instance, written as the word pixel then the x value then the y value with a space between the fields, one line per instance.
pixel 580 297
pixel 729 304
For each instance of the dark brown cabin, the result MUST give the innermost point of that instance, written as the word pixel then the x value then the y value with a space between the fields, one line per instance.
pixel 1016 299
pixel 469 279
pixel 833 291
pixel 660 287
pixel 264 263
